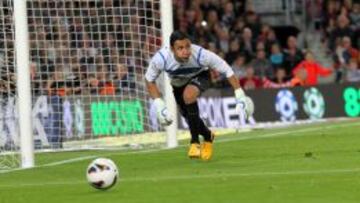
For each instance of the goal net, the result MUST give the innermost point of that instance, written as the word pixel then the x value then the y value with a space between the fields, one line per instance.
pixel 87 64
pixel 9 139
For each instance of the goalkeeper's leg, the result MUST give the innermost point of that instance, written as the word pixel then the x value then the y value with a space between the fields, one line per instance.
pixel 196 124
pixel 194 150
pixel 193 90
pixel 186 98
pixel 192 116
pixel 178 93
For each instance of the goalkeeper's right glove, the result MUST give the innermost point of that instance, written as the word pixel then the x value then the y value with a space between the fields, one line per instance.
pixel 244 104
pixel 162 112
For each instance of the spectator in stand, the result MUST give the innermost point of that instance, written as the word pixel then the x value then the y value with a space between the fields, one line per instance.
pixel 339 60
pixel 228 14
pixel 87 52
pixel 355 13
pixel 299 78
pixel 56 83
pixel 237 28
pixel 262 65
pixel 238 66
pixel 193 24
pixel 355 23
pixel 233 51
pixel 253 23
pixel 36 83
pixel 152 43
pixel 279 81
pixel 182 21
pixel 352 71
pixel 78 76
pixel 121 78
pixel 102 80
pixel 349 51
pixel 276 56
pixel 270 40
pixel 347 4
pixel 250 81
pixel 92 84
pixel 331 11
pixel 260 45
pixel 223 39
pixel 331 26
pixel 312 70
pixel 248 44
pixel 212 47
pixel 206 6
pixel 343 29
pixel 265 30
pixel 212 26
pixel 343 53
pixel 292 55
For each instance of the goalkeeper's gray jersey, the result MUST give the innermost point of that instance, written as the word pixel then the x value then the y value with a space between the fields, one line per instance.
pixel 180 73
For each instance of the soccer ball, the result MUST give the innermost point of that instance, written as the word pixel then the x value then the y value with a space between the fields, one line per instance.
pixel 102 173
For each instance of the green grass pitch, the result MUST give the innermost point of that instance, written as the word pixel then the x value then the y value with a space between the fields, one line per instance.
pixel 318 163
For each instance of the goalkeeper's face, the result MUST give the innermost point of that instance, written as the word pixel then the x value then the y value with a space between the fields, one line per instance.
pixel 182 50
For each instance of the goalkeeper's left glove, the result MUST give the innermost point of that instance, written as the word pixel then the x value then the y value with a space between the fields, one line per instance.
pixel 162 112
pixel 243 103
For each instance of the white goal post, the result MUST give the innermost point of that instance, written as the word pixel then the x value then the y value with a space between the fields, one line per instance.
pixel 167 28
pixel 79 76
pixel 23 83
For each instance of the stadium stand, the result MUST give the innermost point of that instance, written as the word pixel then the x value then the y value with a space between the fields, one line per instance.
pixel 235 30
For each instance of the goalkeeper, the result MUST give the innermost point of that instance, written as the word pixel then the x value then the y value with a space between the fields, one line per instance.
pixel 187 66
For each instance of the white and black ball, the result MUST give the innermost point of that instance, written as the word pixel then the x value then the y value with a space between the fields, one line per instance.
pixel 102 173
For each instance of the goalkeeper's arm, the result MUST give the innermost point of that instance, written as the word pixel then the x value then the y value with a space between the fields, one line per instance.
pixel 153 90
pixel 244 104
pixel 215 62
pixel 162 112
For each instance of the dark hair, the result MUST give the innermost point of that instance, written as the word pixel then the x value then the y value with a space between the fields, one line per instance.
pixel 177 35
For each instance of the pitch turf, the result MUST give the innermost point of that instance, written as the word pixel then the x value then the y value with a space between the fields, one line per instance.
pixel 310 163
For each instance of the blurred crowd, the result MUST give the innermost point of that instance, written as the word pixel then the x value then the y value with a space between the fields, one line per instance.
pixel 83 46
pixel 103 47
pixel 91 47
pixel 340 24
pixel 233 29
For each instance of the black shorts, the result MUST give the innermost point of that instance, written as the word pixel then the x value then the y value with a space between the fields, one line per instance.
pixel 201 81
